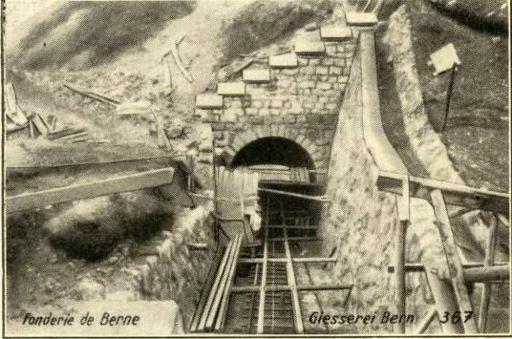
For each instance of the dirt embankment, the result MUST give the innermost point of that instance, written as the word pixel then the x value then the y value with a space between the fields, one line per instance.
pixel 80 35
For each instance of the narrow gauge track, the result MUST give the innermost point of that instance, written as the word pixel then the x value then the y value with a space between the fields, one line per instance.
pixel 265 294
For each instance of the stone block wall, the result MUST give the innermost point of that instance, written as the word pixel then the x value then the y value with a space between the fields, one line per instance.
pixel 303 94
pixel 358 226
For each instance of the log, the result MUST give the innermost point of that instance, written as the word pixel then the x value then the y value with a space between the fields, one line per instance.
pixel 487 273
pixel 133 182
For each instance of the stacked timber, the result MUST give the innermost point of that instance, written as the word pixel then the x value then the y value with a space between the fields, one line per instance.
pixel 211 311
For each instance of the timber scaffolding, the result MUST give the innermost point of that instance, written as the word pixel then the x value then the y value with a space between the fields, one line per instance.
pixel 450 295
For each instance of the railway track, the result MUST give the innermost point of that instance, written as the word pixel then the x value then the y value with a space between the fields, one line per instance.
pixel 265 296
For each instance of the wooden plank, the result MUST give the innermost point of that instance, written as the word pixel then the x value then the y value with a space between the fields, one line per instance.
pixel 452 258
pixel 488 261
pixel 205 291
pixel 40 125
pixel 219 324
pixel 454 194
pixel 133 182
pixel 215 287
pixel 290 274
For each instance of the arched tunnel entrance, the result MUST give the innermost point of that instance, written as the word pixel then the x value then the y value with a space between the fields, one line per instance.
pixel 278 160
pixel 275 151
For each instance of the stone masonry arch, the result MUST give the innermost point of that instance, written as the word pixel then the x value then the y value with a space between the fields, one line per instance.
pixel 240 140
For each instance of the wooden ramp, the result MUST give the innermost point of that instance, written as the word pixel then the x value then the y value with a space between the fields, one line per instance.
pixel 237 204
pixel 211 311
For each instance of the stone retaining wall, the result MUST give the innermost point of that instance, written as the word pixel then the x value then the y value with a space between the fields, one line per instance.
pixel 292 95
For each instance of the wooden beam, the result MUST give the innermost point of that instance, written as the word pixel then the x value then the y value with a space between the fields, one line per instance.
pixel 487 273
pixel 205 291
pixel 295 195
pixel 219 323
pixel 425 323
pixel 215 287
pixel 132 182
pixel 452 257
pixel 261 309
pixel 488 261
pixel 418 267
pixel 454 194
pixel 290 275
pixel 280 288
pixel 283 260
pixel 221 292
pixel 445 301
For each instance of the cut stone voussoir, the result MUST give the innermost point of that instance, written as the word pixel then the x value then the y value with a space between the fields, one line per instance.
pixel 256 75
pixel 361 19
pixel 209 100
pixel 231 88
pixel 288 60
pixel 335 33
pixel 309 48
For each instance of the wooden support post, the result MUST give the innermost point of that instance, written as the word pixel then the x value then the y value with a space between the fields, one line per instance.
pixel 452 258
pixel 488 261
pixel 449 96
pixel 403 204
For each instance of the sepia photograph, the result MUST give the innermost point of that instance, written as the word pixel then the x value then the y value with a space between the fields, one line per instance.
pixel 255 168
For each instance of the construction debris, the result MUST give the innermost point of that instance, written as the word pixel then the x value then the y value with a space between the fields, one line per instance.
pixel 94 96
pixel 176 56
pixel 16 118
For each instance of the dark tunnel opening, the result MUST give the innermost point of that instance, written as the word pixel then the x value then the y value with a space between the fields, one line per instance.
pixel 275 151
